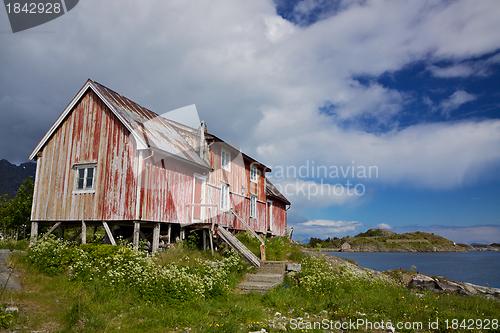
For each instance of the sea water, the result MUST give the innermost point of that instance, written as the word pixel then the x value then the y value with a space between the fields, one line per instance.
pixel 477 267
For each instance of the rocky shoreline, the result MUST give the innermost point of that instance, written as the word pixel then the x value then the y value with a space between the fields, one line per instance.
pixel 412 249
pixel 438 285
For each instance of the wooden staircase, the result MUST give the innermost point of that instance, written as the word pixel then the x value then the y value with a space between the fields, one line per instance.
pixel 269 275
pixel 238 246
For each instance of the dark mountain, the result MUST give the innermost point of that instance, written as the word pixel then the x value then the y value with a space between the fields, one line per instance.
pixel 13 176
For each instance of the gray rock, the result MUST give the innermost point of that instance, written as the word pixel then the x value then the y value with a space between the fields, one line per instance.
pixel 6 275
pixel 11 309
pixel 294 267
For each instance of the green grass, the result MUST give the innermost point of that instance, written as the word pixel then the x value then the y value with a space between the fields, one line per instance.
pixel 58 304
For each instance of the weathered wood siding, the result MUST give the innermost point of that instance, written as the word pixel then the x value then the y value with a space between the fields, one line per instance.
pixel 279 217
pixel 90 134
pixel 236 178
pixel 168 187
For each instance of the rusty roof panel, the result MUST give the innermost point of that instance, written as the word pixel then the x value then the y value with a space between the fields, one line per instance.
pixel 151 127
pixel 272 191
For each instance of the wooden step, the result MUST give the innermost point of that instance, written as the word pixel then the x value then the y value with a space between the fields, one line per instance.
pixel 268 278
pixel 272 267
pixel 260 287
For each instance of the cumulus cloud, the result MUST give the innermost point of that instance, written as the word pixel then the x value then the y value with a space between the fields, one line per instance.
pixel 384 226
pixel 258 80
pixel 308 194
pixel 437 156
pixel 326 228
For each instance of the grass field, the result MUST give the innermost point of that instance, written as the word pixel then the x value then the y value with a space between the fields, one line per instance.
pixel 83 298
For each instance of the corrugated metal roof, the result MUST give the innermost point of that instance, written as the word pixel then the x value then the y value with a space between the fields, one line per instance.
pixel 272 191
pixel 148 128
pixel 153 128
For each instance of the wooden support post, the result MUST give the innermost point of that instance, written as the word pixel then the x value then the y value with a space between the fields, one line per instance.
pixel 204 239
pixel 262 252
pixel 169 233
pixel 34 233
pixel 183 234
pixel 54 227
pixel 108 233
pixel 84 232
pixel 210 234
pixel 72 239
pixel 137 229
pixel 156 238
pixel 61 231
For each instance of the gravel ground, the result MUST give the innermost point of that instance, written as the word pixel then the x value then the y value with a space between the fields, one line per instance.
pixel 12 283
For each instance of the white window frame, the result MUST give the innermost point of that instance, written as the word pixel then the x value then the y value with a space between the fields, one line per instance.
pixel 254 173
pixel 253 206
pixel 225 160
pixel 224 196
pixel 85 167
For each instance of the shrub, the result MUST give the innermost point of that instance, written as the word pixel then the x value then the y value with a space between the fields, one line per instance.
pixel 51 256
pixel 121 267
pixel 6 319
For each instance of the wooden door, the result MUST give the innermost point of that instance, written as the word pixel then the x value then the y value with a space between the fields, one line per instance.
pixel 198 198
pixel 269 216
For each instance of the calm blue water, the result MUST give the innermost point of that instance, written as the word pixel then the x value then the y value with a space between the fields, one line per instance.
pixel 475 267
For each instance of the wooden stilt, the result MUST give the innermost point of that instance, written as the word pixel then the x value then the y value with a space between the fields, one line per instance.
pixel 210 234
pixel 84 232
pixel 108 233
pixel 54 227
pixel 183 234
pixel 72 239
pixel 204 239
pixel 169 233
pixel 34 233
pixel 137 228
pixel 61 231
pixel 156 238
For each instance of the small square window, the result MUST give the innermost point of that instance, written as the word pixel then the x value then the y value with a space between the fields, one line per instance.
pixel 253 206
pixel 85 177
pixel 253 174
pixel 225 160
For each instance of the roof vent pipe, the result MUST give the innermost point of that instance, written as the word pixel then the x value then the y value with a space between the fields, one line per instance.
pixel 202 139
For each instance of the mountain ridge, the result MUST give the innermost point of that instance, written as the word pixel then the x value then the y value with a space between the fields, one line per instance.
pixel 13 176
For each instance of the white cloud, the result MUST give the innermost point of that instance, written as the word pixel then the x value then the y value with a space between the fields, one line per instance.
pixel 458 98
pixel 437 156
pixel 278 28
pixel 307 194
pixel 384 226
pixel 259 81
pixel 483 234
pixel 326 228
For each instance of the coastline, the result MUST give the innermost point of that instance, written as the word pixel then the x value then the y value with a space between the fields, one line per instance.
pixel 414 280
pixel 408 249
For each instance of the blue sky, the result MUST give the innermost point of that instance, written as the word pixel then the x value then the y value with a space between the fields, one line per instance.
pixel 408 87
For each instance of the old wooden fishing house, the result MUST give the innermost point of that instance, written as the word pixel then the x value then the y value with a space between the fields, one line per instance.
pixel 110 162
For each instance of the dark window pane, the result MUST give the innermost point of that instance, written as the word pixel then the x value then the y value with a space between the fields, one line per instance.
pixel 80 183
pixel 81 173
pixel 89 182
pixel 90 172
